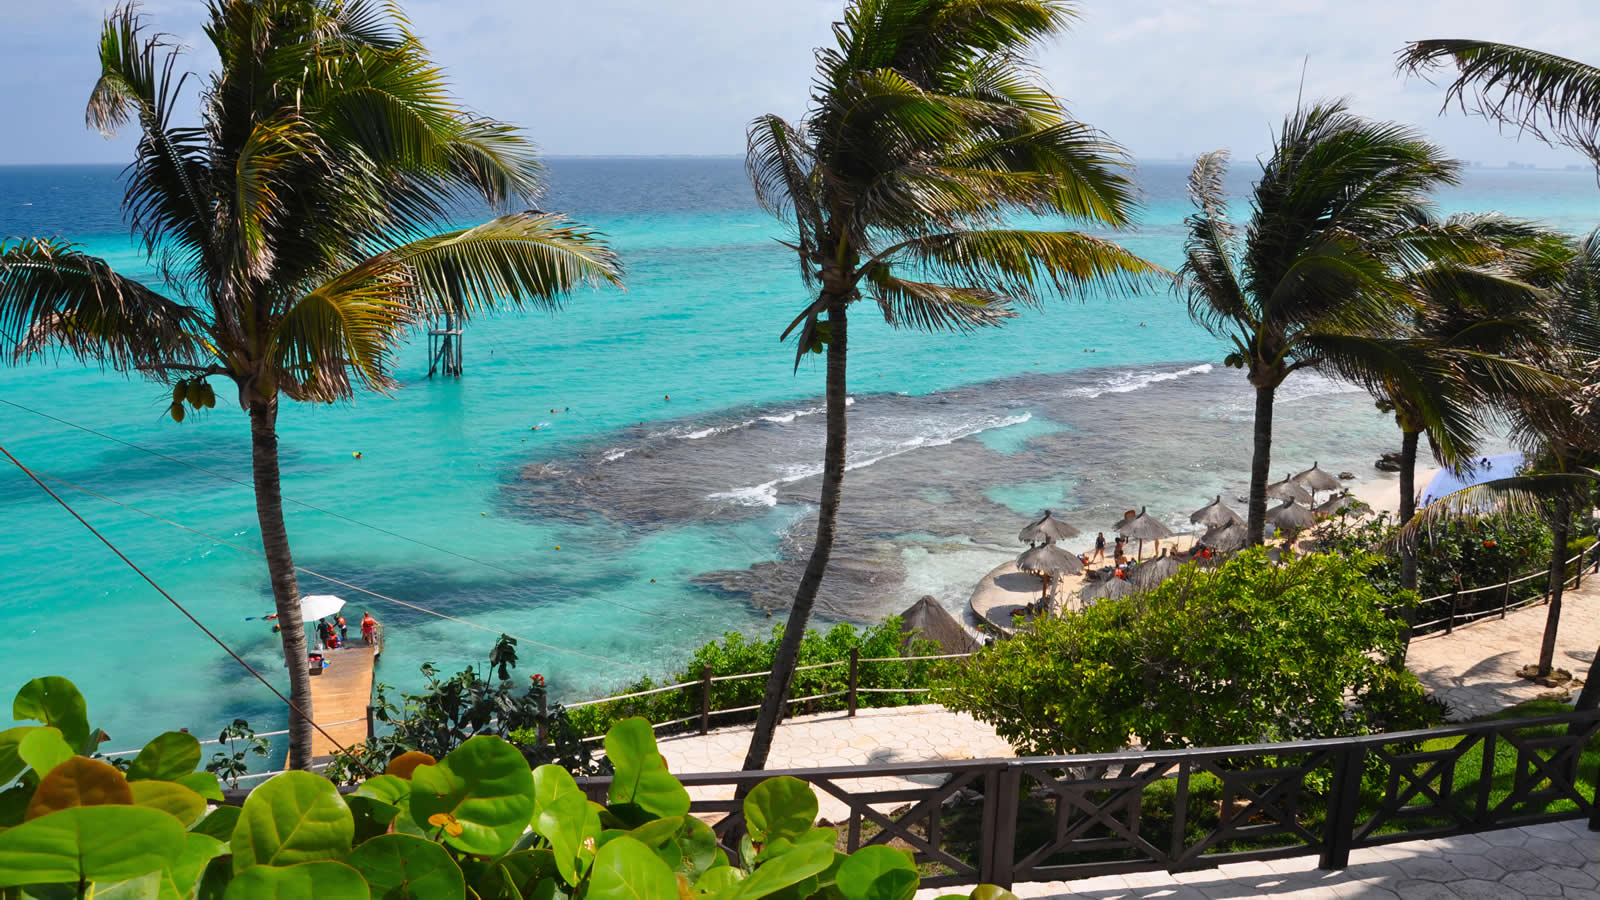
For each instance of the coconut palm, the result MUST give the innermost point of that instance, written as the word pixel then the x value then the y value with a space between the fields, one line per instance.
pixel 1483 322
pixel 1551 97
pixel 925 135
pixel 296 230
pixel 1315 281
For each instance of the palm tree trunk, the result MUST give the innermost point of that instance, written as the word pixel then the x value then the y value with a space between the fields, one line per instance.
pixel 1260 462
pixel 280 566
pixel 1558 580
pixel 805 596
pixel 1408 505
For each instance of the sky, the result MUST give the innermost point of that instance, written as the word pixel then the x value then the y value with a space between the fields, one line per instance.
pixel 1167 78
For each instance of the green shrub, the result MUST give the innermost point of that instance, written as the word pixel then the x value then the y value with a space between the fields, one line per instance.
pixel 1246 653
pixel 735 654
pixel 478 823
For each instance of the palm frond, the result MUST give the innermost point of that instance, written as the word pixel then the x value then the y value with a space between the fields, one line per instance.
pixel 933 307
pixel 1515 496
pixel 53 295
pixel 1554 98
pixel 348 325
pixel 1026 265
pixel 1217 300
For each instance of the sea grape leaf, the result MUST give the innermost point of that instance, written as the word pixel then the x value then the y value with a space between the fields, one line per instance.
pixel 485 786
pixel 11 764
pixel 80 781
pixel 403 867
pixel 171 798
pixel 565 820
pixel 218 823
pixel 54 701
pixel 323 880
pixel 43 749
pixel 203 783
pixel 178 880
pixel 89 843
pixel 295 817
pixel 780 808
pixel 779 872
pixel 719 881
pixel 625 869
pixel 167 757
pixel 641 775
pixel 145 887
pixel 403 765
pixel 376 803
pixel 699 845
pixel 877 873
pixel 989 892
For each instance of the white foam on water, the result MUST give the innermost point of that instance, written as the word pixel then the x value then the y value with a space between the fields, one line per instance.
pixel 1125 382
pixel 766 493
pixel 616 453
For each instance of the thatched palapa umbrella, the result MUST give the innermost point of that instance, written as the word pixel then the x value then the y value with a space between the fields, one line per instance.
pixel 1146 576
pixel 1343 504
pixel 1289 489
pixel 1315 479
pixel 928 619
pixel 1227 538
pixel 1047 561
pixel 1047 529
pixel 1143 528
pixel 1214 515
pixel 1291 517
pixel 1105 589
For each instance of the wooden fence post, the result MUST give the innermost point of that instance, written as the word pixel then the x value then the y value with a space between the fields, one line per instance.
pixel 372 727
pixel 1455 596
pixel 542 731
pixel 855 661
pixel 1505 598
pixel 1344 798
pixel 705 699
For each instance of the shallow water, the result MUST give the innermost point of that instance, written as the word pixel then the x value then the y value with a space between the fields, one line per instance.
pixel 676 519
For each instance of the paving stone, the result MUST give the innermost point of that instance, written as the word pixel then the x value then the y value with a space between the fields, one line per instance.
pixel 1412 889
pixel 1571 877
pixel 1429 868
pixel 1557 852
pixel 1532 884
pixel 1513 859
pixel 1478 889
pixel 1475 865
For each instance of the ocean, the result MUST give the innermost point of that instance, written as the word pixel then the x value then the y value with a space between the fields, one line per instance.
pixel 619 482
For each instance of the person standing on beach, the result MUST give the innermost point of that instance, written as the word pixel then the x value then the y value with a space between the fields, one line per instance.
pixel 1099 547
pixel 1118 547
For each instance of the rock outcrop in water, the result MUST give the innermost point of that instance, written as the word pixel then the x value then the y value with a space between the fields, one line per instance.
pixel 1388 462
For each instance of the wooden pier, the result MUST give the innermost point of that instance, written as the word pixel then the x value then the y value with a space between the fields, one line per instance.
pixel 341 694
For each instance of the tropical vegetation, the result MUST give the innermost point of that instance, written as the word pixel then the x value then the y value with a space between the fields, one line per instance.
pixel 301 224
pixel 477 823
pixel 927 134
pixel 1248 652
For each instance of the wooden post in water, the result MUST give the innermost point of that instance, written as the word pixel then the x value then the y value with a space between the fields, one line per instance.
pixel 855 662
pixel 444 346
pixel 705 699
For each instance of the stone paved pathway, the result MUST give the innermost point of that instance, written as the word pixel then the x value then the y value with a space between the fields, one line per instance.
pixel 1475 668
pixel 1557 860
pixel 874 736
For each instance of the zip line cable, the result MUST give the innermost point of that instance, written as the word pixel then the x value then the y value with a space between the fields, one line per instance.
pixel 190 616
pixel 313 573
pixel 327 512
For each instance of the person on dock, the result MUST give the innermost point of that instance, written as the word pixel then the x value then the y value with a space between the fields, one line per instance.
pixel 344 634
pixel 324 633
pixel 369 628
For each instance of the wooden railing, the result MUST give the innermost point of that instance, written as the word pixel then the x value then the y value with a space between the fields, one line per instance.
pixel 1004 821
pixel 1447 610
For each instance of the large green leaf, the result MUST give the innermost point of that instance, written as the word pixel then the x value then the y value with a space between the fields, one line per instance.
pixel 877 873
pixel 376 803
pixel 295 817
pixel 323 880
pixel 403 867
pixel 79 781
pixel 43 749
pixel 89 843
pixel 171 798
pixel 168 757
pixel 780 808
pixel 625 869
pixel 202 783
pixel 779 872
pixel 11 764
pixel 219 823
pixel 641 774
pixel 55 701
pixel 177 881
pixel 485 786
pixel 565 819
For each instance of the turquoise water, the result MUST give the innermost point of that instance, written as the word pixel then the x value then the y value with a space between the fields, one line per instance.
pixel 675 519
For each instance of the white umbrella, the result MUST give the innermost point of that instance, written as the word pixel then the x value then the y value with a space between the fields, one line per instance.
pixel 319 606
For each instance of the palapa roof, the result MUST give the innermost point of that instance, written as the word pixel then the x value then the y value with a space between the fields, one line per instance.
pixel 1105 589
pixel 929 619
pixel 1048 559
pixel 1291 516
pixel 1315 479
pixel 1214 515
pixel 1347 502
pixel 1227 538
pixel 1143 528
pixel 1147 575
pixel 1289 489
pixel 1047 528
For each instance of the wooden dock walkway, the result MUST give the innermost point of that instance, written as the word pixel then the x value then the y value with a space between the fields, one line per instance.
pixel 341 695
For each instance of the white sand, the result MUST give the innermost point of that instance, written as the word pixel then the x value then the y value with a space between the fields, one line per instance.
pixel 1382 490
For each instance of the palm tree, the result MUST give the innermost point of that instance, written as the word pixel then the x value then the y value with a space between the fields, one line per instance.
pixel 1481 322
pixel 926 134
pixel 1560 430
pixel 296 230
pixel 1551 97
pixel 1316 281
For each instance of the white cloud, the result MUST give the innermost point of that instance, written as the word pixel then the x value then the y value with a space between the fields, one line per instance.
pixel 684 76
